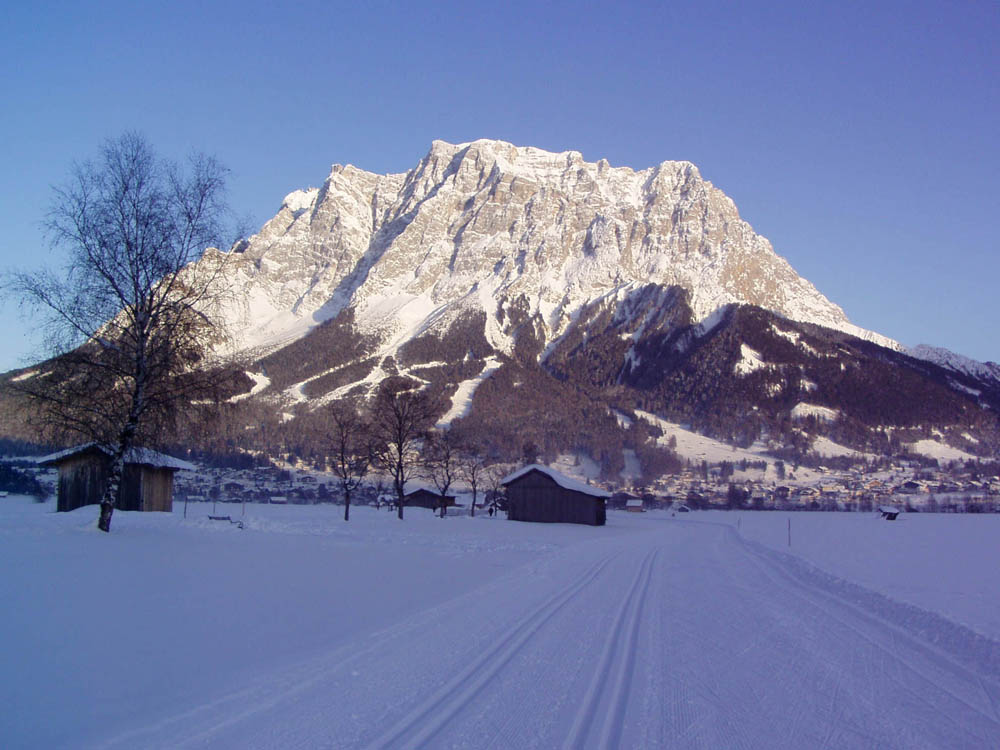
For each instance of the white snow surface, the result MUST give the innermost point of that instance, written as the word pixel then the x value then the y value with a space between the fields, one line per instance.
pixel 825 413
pixel 461 402
pixel 260 382
pixel 304 631
pixel 750 361
pixel 695 447
pixel 826 447
pixel 939 450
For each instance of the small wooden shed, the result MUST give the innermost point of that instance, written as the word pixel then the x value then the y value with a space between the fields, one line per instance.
pixel 889 512
pixel 422 497
pixel 538 493
pixel 147 482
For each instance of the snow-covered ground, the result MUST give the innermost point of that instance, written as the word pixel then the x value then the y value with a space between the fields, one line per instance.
pixel 653 631
pixel 942 563
pixel 941 451
pixel 461 402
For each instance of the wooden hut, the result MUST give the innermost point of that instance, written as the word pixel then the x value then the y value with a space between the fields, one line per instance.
pixel 889 512
pixel 538 493
pixel 422 497
pixel 147 481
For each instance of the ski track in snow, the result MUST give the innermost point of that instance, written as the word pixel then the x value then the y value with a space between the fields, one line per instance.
pixel 685 635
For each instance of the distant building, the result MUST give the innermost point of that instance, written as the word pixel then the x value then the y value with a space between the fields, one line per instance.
pixel 634 506
pixel 422 497
pixel 147 482
pixel 538 493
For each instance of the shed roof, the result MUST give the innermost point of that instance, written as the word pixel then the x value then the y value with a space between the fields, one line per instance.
pixel 413 489
pixel 136 456
pixel 562 480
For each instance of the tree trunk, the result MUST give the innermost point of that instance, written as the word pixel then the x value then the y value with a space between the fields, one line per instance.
pixel 399 484
pixel 115 477
pixel 104 520
pixel 347 505
pixel 472 508
pixel 111 491
pixel 125 440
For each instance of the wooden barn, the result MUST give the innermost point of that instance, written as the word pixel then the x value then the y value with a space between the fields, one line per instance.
pixel 538 493
pixel 422 497
pixel 147 482
pixel 889 512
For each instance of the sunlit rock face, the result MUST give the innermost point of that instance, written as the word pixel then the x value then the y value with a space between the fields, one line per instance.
pixel 482 226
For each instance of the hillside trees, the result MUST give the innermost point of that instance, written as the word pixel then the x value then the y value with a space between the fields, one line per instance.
pixel 130 317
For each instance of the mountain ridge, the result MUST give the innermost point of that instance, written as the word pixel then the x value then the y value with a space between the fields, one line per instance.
pixel 339 244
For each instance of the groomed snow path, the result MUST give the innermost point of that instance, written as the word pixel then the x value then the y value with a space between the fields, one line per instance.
pixel 682 636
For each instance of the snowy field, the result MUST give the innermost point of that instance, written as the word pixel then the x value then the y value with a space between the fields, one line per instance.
pixel 300 631
pixel 943 563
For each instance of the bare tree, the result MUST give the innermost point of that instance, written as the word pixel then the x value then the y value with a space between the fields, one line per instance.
pixel 495 475
pixel 400 421
pixel 472 468
pixel 441 463
pixel 130 316
pixel 350 455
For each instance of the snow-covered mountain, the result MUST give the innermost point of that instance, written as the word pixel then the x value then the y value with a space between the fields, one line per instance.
pixel 541 298
pixel 988 371
pixel 479 226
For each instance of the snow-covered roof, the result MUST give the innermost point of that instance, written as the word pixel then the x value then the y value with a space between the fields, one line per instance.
pixel 889 509
pixel 560 479
pixel 136 456
pixel 410 487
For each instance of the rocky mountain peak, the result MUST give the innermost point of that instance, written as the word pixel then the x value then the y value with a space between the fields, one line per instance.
pixel 474 226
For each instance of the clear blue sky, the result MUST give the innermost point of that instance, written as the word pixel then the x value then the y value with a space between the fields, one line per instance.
pixel 862 139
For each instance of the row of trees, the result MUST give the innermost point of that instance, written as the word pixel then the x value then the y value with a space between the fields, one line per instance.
pixel 397 438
